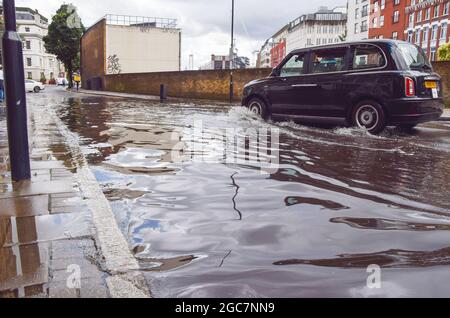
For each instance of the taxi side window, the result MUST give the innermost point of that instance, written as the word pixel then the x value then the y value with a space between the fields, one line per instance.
pixel 293 67
pixel 328 60
pixel 368 56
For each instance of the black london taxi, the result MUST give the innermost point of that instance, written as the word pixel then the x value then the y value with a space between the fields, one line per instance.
pixel 370 84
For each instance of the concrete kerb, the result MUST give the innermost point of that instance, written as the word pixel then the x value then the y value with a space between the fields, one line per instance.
pixel 125 280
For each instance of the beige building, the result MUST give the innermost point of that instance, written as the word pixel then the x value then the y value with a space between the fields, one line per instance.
pixel 126 44
pixel 32 27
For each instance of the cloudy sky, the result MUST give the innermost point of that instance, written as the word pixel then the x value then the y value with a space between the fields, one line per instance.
pixel 205 23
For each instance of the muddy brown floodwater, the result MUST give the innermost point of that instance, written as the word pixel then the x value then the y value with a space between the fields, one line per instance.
pixel 340 201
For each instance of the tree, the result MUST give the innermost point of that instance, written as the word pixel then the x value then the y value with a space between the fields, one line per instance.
pixel 444 52
pixel 63 39
pixel 343 37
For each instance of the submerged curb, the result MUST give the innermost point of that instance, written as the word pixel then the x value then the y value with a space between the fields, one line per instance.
pixel 125 281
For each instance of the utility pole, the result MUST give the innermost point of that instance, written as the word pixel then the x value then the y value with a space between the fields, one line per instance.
pixel 232 53
pixel 14 77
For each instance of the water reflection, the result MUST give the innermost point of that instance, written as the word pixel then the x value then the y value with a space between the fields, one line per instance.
pixel 201 226
pixel 387 259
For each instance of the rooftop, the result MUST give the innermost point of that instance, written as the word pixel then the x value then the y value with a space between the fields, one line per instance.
pixel 20 10
pixel 137 21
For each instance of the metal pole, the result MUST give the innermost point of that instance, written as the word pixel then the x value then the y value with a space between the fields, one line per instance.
pixel 232 53
pixel 16 103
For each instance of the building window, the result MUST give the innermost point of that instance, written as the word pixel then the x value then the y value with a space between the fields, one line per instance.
pixel 418 37
pixel 427 14
pixel 383 4
pixel 364 26
pixel 446 8
pixel 27 29
pixel 382 21
pixel 396 2
pixel 425 37
pixel 436 11
pixel 395 35
pixel 28 45
pixel 411 20
pixel 434 32
pixel 356 28
pixel 30 75
pixel 365 11
pixel 433 54
pixel 396 17
pixel 443 36
pixel 419 16
pixel 375 23
pixel 410 37
pixel 357 13
pixel 29 62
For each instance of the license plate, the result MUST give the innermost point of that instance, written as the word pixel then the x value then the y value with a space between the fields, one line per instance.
pixel 431 84
pixel 435 93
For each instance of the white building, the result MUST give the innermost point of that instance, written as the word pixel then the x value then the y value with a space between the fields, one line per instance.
pixel 139 44
pixel 322 27
pixel 358 20
pixel 32 27
pixel 264 55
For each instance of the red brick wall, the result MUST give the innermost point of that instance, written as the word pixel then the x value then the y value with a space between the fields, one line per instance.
pixel 389 26
pixel 93 51
pixel 212 85
pixel 423 7
pixel 443 69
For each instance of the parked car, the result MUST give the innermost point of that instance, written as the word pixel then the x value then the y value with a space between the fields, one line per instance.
pixel 61 81
pixel 369 84
pixel 33 86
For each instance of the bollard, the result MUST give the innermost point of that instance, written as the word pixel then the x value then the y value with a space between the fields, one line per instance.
pixel 163 92
pixel 16 103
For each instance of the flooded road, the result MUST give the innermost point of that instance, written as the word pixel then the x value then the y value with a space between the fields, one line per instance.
pixel 202 226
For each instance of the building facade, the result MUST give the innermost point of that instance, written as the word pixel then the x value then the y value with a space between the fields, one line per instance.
pixel 387 19
pixel 358 20
pixel 326 26
pixel 32 27
pixel 278 46
pixel 222 62
pixel 265 60
pixel 127 44
pixel 428 25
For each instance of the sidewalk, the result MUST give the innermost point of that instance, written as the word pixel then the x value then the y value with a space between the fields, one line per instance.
pixel 446 115
pixel 51 243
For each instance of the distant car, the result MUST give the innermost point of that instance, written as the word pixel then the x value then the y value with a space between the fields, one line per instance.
pixel 61 81
pixel 369 84
pixel 33 86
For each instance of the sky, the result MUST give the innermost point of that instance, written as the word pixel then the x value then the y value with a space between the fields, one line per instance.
pixel 205 24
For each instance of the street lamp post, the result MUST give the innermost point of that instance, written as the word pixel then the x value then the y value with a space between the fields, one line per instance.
pixel 232 53
pixel 14 77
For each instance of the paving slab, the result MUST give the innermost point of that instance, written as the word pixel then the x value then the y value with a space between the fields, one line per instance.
pixel 25 206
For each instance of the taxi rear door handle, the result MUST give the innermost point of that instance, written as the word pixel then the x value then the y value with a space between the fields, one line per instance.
pixel 305 85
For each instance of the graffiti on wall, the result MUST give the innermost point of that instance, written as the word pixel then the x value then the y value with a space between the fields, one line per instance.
pixel 114 65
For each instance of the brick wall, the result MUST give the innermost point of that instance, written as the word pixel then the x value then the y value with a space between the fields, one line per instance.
pixel 443 69
pixel 214 85
pixel 93 50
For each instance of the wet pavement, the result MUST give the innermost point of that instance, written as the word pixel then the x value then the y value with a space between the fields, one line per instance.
pixel 45 226
pixel 201 225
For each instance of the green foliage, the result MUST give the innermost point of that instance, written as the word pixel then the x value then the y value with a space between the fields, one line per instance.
pixel 444 52
pixel 63 39
pixel 43 79
pixel 343 37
